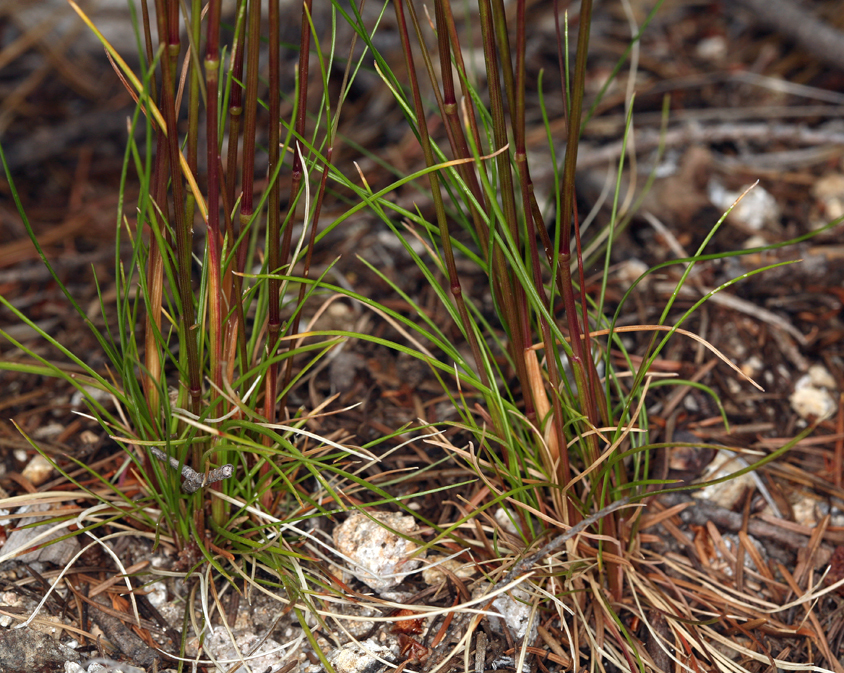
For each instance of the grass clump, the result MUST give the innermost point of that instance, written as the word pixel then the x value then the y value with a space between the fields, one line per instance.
pixel 209 339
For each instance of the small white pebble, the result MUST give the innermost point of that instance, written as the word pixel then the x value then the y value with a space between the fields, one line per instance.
pixel 48 431
pixel 630 270
pixel 157 594
pixel 755 241
pixel 809 401
pixel 359 657
pixel 752 366
pixel 505 519
pixel 806 508
pixel 829 190
pixel 756 209
pixel 88 437
pixel 433 573
pixel 821 378
pixel 811 396
pixel 712 48
pixel 727 493
pixel 515 608
pixel 99 668
pixel 78 398
pixel 381 558
pixel 38 470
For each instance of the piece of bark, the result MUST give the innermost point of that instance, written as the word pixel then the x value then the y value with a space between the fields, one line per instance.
pixel 122 637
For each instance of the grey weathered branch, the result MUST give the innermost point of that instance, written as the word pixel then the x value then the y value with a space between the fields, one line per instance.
pixel 795 21
pixel 528 562
pixel 193 479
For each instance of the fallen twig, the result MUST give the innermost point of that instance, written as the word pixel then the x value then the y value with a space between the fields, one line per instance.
pixel 193 479
pixel 696 133
pixel 700 512
pixel 815 35
pixel 528 562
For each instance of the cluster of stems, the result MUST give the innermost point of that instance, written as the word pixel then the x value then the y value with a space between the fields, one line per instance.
pixel 214 342
pixel 503 212
pixel 520 224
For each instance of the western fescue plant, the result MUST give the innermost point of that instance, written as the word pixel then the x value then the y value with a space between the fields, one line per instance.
pixel 209 341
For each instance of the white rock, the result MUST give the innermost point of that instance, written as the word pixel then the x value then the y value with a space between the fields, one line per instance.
pixel 99 668
pixel 630 270
pixel 38 470
pixel 752 366
pixel 433 573
pixel 72 667
pixel 727 493
pixel 77 400
pixel 712 48
pixel 506 661
pixel 806 507
pixel 49 430
pixel 505 518
pixel 515 611
pixel 819 376
pixel 88 437
pixel 755 241
pixel 381 558
pixel 810 399
pixel 360 657
pixel 756 209
pixel 270 655
pixel 829 190
pixel 156 594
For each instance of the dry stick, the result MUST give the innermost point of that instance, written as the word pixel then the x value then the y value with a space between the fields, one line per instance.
pixel 193 479
pixel 685 134
pixel 792 20
pixel 704 511
pixel 527 563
